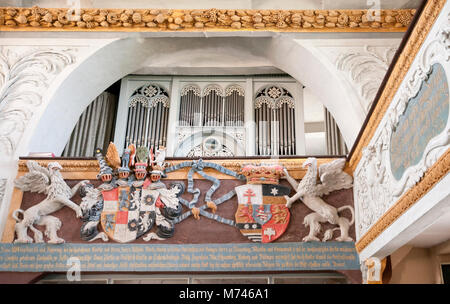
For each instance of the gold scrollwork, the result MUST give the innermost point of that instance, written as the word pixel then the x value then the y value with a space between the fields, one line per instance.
pixel 139 20
pixel 432 176
pixel 406 58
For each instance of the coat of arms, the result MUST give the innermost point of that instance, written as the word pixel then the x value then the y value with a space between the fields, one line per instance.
pixel 262 215
pixel 128 207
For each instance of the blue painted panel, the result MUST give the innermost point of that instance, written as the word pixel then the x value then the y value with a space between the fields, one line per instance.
pixel 185 257
pixel 425 117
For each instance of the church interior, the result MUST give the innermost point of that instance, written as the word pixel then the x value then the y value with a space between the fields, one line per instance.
pixel 225 142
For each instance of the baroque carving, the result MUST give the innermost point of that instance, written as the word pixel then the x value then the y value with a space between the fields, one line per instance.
pixel 366 70
pixel 234 88
pixel 274 97
pixel 149 96
pixel 37 18
pixel 191 87
pixel 2 189
pixel 430 179
pixel 407 56
pixel 375 269
pixel 90 166
pixel 376 189
pixel 50 182
pixel 309 192
pixel 372 186
pixel 213 87
pixel 199 151
pixel 24 78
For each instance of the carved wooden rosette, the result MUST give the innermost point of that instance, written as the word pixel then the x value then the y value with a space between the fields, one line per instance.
pixel 52 19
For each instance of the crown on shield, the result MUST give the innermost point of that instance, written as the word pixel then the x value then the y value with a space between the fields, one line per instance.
pixel 262 174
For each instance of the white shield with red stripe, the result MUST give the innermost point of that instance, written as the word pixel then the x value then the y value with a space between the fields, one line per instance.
pixel 128 213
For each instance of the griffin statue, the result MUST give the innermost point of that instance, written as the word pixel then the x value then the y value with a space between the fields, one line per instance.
pixel 50 182
pixel 310 192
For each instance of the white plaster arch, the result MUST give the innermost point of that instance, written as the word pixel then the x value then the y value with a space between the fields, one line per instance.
pixel 124 56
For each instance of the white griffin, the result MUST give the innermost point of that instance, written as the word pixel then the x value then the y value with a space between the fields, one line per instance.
pixel 48 181
pixel 310 192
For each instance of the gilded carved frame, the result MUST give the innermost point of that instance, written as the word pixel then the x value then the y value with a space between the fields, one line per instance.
pixel 441 167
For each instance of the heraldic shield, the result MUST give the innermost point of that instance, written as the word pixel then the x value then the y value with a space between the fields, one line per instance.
pixel 128 212
pixel 262 215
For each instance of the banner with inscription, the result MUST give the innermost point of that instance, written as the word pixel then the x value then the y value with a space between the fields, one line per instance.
pixel 186 257
pixel 425 117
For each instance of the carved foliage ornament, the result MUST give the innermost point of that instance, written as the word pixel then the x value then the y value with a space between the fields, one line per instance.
pixel 2 189
pixel 274 97
pixel 213 88
pixel 172 20
pixel 191 88
pixel 149 96
pixel 24 78
pixel 419 34
pixel 234 88
pixel 366 70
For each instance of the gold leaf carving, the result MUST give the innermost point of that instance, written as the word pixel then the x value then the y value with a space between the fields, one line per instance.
pixel 139 20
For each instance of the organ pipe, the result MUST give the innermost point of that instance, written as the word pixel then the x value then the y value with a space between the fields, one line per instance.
pixel 148 117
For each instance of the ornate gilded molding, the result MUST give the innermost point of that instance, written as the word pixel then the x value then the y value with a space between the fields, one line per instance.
pixel 140 20
pixel 74 169
pixel 406 58
pixel 432 176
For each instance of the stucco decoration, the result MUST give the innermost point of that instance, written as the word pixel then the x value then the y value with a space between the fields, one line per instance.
pixel 425 116
pixel 376 187
pixel 2 189
pixel 50 182
pixel 365 69
pixel 48 19
pixel 375 269
pixel 419 35
pixel 332 178
pixel 24 79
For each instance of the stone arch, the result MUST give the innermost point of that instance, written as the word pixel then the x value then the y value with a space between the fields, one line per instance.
pixel 95 73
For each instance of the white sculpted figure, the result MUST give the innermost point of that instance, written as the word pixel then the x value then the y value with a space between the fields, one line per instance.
pixel 332 178
pixel 48 181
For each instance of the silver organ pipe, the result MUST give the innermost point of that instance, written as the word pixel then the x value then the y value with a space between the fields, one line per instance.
pixel 275 121
pixel 233 108
pixel 190 106
pixel 293 130
pixel 148 117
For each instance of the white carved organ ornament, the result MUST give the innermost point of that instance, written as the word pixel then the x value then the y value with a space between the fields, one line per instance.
pixel 275 121
pixel 148 114
pixel 212 107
